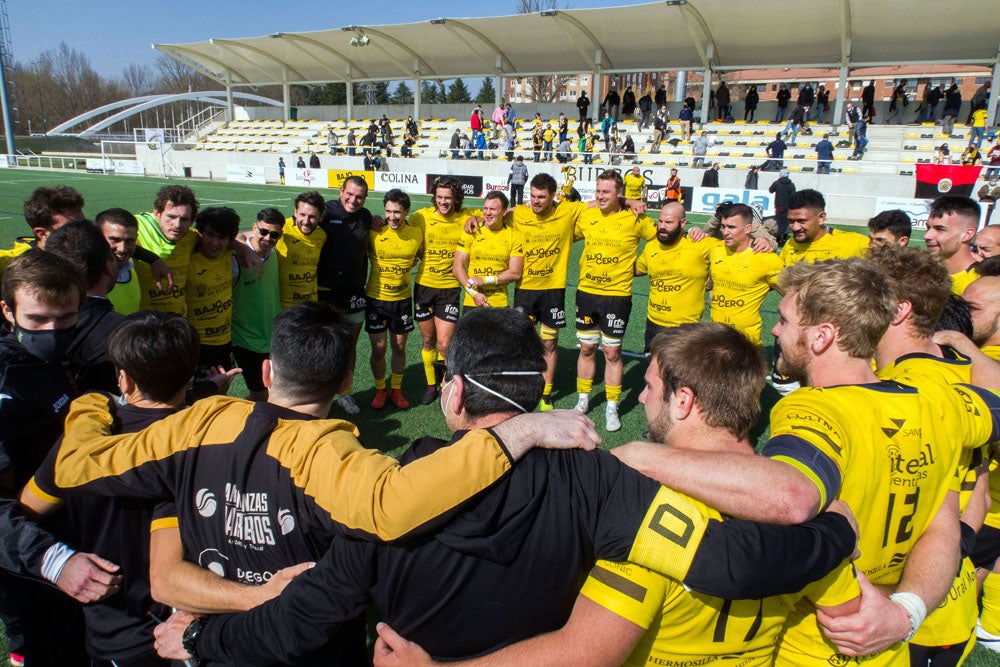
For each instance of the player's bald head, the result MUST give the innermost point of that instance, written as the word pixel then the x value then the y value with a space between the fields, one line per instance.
pixel 988 241
pixel 674 210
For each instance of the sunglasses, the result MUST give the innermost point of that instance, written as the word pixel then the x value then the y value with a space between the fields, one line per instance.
pixel 273 233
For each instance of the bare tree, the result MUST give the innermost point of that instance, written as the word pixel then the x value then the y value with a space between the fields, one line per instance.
pixel 138 80
pixel 543 88
pixel 176 77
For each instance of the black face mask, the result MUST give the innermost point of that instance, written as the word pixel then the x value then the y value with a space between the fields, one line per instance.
pixel 49 345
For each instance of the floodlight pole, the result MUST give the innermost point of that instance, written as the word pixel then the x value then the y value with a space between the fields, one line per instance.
pixel 7 125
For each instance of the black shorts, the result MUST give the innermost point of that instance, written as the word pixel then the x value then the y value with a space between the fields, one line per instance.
pixel 215 355
pixel 987 548
pixel 436 302
pixel 251 362
pixel 347 302
pixel 608 313
pixel 547 306
pixel 651 330
pixel 396 316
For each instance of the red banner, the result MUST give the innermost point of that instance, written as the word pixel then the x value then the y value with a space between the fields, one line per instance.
pixel 934 180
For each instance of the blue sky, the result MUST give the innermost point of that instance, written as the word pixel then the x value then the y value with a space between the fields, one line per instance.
pixel 114 33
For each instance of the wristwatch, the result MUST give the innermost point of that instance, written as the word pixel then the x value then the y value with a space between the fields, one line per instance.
pixel 189 640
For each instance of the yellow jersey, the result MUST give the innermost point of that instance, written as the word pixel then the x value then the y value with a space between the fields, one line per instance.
pixel 20 246
pixel 677 277
pixel 611 244
pixel 962 279
pixel 209 297
pixel 177 257
pixel 835 244
pixel 634 185
pixel 895 457
pixel 688 628
pixel 298 256
pixel 392 254
pixel 441 235
pixel 991 351
pixel 740 282
pixel 489 255
pixel 547 242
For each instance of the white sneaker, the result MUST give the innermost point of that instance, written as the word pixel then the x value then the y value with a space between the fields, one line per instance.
pixel 582 403
pixel 611 420
pixel 348 404
pixel 986 639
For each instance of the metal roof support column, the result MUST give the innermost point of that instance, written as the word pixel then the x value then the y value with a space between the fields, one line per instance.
pixel 706 89
pixel 991 104
pixel 498 83
pixel 842 92
pixel 286 98
pixel 230 106
pixel 598 98
pixel 680 87
pixel 350 97
pixel 416 97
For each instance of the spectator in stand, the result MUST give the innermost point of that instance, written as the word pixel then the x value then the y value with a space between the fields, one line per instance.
pixel 628 103
pixel 660 128
pixel 409 141
pixel 606 124
pixel 942 155
pixel 537 141
pixel 752 175
pixel 313 161
pixel 660 99
pixel 860 139
pixel 989 194
pixel 851 116
pixel 868 102
pixel 824 154
pixel 806 97
pixel 467 146
pixel 564 151
pixel 783 189
pixel 700 149
pixel 499 116
pixel 722 99
pixel 686 116
pixel 750 102
pixel 507 138
pixel 952 104
pixel 993 157
pixel 628 147
pixel 385 130
pixel 456 143
pixel 562 127
pixel 932 99
pixel 979 100
pixel 971 156
pixel 300 163
pixel 475 123
pixel 511 115
pixel 516 179
pixel 583 105
pixel 897 102
pixel 822 103
pixel 352 143
pixel 783 96
pixel 612 103
pixel 710 179
pixel 775 151
pixel 411 127
pixel 646 108
pixel 796 121
pixel 548 136
pixel 978 127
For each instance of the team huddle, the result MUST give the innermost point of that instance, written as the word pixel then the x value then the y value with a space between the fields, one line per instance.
pixel 188 522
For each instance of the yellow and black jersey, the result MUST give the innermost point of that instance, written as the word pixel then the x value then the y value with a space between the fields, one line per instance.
pixel 611 244
pixel 209 296
pixel 392 254
pixel 740 282
pixel 919 367
pixel 21 245
pixel 684 627
pixel 489 255
pixel 677 277
pixel 441 235
pixel 298 257
pixel 548 242
pixel 991 351
pixel 835 244
pixel 897 458
pixel 962 279
pixel 177 257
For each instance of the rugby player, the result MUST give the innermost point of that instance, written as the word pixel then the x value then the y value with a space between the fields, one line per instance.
pixel 741 278
pixel 951 227
pixel 827 441
pixel 342 268
pixel 889 228
pixel 166 231
pixel 611 235
pixel 502 548
pixel 209 292
pixel 299 249
pixel 257 301
pixel 437 292
pixel 635 184
pixel 702 389
pixel 392 254
pixel 121 231
pixel 46 210
pixel 988 241
pixel 490 258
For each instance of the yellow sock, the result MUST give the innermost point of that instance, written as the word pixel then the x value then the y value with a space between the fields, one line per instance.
pixel 380 383
pixel 397 381
pixel 990 618
pixel 440 357
pixel 613 393
pixel 584 386
pixel 429 357
pixel 547 390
